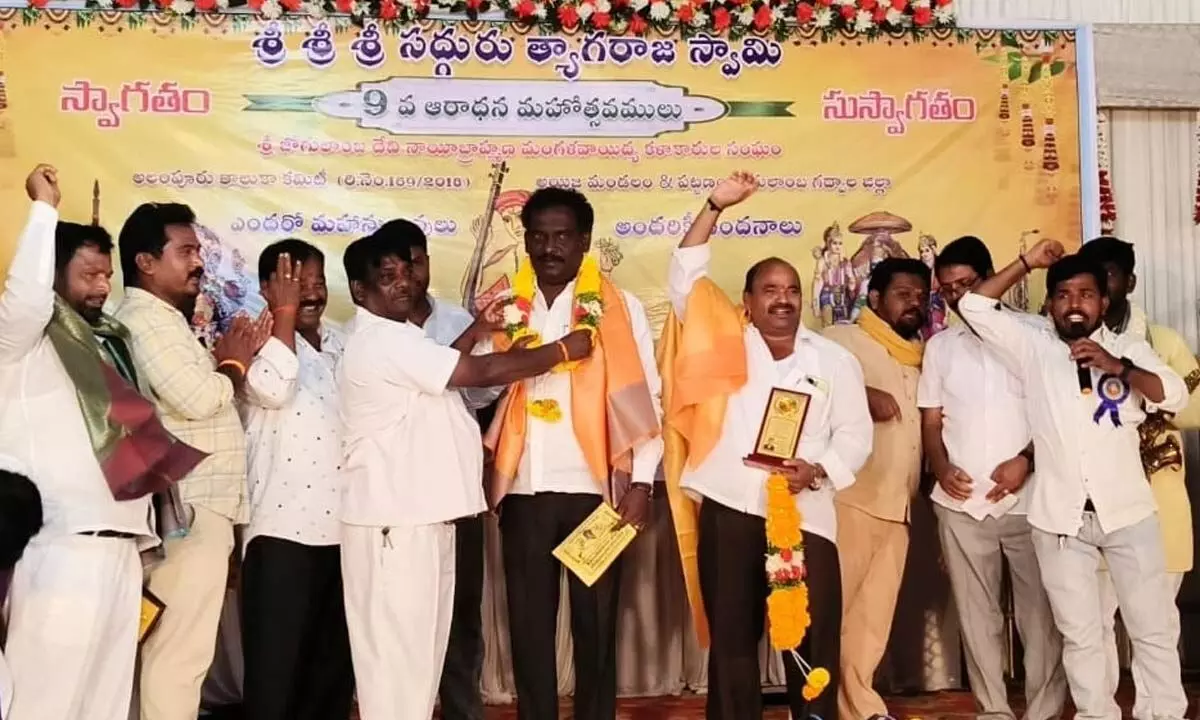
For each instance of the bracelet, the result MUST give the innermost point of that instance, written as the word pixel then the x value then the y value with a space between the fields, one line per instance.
pixel 713 206
pixel 562 348
pixel 233 364
pixel 1025 263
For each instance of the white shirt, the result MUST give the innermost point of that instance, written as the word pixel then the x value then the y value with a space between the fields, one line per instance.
pixel 553 461
pixel 983 417
pixel 837 432
pixel 444 325
pixel 1080 454
pixel 412 452
pixel 40 421
pixel 293 440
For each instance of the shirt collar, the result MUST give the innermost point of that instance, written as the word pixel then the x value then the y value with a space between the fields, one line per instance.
pixel 136 294
pixel 364 318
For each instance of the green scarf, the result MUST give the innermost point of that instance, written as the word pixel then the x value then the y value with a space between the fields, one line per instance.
pixel 136 453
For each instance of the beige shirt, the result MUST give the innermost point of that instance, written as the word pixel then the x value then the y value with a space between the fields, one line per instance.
pixel 194 401
pixel 889 479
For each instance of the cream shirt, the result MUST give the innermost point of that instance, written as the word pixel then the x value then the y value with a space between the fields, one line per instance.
pixel 837 428
pixel 294 441
pixel 983 417
pixel 411 451
pixel 553 461
pixel 1080 453
pixel 889 479
pixel 41 425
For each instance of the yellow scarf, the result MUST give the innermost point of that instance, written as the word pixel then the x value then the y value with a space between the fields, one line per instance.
pixel 905 352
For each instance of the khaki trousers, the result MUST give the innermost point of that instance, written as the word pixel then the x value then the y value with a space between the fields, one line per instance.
pixel 872 552
pixel 191 583
pixel 975 552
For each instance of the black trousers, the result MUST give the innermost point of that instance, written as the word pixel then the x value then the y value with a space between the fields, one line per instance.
pixel 733 582
pixel 531 527
pixel 296 647
pixel 460 693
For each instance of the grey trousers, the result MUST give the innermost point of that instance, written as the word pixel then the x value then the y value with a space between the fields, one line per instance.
pixel 1108 607
pixel 975 552
pixel 1135 560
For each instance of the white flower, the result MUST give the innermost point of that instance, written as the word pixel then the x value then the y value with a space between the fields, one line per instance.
pixel 895 17
pixel 512 315
pixel 223 4
pixel 745 16
pixel 639 4
pixel 585 10
pixel 777 14
pixel 863 21
pixel 679 3
pixel 271 10
pixel 182 7
pixel 846 2
pixel 920 3
pixel 539 11
pixel 104 4
pixel 944 14
pixel 592 307
pixel 775 564
pixel 603 6
pixel 659 10
pixel 313 9
pixel 700 19
pixel 823 18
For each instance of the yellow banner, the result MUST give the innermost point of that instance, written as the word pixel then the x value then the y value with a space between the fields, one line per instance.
pixel 865 148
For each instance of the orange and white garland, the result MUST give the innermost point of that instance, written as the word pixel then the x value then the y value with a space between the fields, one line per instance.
pixel 787 603
pixel 1108 205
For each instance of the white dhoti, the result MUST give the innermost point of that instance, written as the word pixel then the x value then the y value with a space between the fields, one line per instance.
pixel 399 585
pixel 73 628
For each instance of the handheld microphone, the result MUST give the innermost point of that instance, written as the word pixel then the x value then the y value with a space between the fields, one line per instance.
pixel 1085 378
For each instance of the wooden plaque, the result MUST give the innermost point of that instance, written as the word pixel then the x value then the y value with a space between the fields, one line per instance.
pixel 152 610
pixel 779 433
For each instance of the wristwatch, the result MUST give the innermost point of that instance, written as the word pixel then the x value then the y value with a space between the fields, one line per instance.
pixel 1027 453
pixel 1127 367
pixel 648 487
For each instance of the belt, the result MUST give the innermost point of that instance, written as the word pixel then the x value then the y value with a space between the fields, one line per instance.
pixel 109 534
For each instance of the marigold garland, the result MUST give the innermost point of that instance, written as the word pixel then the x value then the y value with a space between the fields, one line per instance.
pixel 787 603
pixel 781 18
pixel 546 410
pixel 586 312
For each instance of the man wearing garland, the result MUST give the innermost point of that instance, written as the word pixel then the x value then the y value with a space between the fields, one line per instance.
pixel 565 442
pixel 1158 432
pixel 873 515
pixel 719 374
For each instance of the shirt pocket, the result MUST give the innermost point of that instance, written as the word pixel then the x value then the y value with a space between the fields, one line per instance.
pixel 819 407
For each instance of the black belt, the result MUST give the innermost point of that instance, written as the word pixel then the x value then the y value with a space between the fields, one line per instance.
pixel 109 534
pixel 1088 506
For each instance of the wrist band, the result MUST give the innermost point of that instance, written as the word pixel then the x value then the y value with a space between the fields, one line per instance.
pixel 234 364
pixel 713 206
pixel 562 348
pixel 1025 263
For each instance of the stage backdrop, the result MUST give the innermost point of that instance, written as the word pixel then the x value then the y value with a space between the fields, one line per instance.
pixel 865 148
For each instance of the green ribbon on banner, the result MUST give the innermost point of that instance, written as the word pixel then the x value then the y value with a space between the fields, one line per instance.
pixel 761 108
pixel 280 103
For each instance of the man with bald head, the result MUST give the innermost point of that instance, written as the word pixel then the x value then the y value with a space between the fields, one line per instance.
pixel 873 515
pixel 722 365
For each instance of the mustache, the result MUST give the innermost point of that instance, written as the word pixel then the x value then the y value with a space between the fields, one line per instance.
pixel 781 306
pixel 311 304
pixel 196 274
pixel 550 256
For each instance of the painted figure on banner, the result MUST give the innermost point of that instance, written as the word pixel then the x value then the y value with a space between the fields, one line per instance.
pixel 879 227
pixel 935 321
pixel 501 251
pixel 834 284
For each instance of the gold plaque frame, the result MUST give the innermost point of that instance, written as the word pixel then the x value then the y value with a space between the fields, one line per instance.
pixel 779 432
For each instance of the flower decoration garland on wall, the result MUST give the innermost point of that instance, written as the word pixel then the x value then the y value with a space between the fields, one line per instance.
pixel 869 18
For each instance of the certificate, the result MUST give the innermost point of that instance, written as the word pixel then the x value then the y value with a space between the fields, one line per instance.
pixel 152 610
pixel 779 433
pixel 595 544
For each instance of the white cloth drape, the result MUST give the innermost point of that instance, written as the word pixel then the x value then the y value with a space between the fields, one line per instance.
pixel 976 12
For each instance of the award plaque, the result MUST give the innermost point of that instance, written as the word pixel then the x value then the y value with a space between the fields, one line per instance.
pixel 779 433
pixel 151 613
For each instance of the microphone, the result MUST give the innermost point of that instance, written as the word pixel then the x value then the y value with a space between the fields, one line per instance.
pixel 1085 378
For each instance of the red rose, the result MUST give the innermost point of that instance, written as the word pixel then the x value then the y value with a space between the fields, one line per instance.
pixel 290 5
pixel 804 12
pixel 206 5
pixel 164 4
pixel 601 20
pixel 524 9
pixel 568 16
pixel 388 10
pixel 880 16
pixel 899 5
pixel 38 3
pixel 922 16
pixel 763 18
pixel 786 554
pixel 825 3
pixel 638 24
pixel 686 13
pixel 848 12
pixel 944 3
pixel 868 4
pixel 127 4
pixel 720 19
